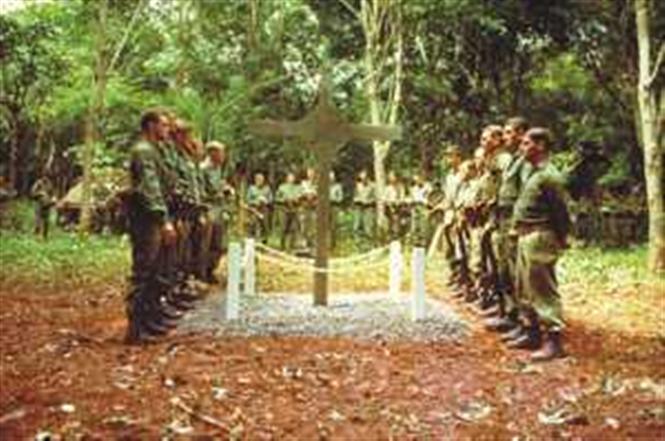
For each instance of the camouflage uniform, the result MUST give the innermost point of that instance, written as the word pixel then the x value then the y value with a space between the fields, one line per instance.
pixel 42 192
pixel 287 197
pixel 504 243
pixel 259 198
pixel 213 197
pixel 190 214
pixel 418 194
pixel 393 198
pixel 542 222
pixel 147 213
pixel 364 201
pixel 451 190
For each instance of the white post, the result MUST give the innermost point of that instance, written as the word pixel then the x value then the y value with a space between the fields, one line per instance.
pixel 418 284
pixel 231 301
pixel 395 282
pixel 250 268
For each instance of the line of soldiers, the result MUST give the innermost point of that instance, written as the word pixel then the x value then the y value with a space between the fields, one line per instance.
pixel 175 206
pixel 506 224
pixel 407 208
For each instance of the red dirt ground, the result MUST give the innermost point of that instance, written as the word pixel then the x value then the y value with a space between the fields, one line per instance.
pixel 64 348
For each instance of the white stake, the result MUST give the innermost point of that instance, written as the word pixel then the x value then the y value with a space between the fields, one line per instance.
pixel 418 284
pixel 231 301
pixel 250 268
pixel 395 282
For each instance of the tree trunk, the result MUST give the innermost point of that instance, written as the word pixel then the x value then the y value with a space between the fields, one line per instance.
pixel 94 112
pixel 14 143
pixel 372 14
pixel 651 141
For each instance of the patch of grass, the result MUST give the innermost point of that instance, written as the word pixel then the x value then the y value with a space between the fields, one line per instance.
pixel 64 260
pixel 18 215
pixel 612 289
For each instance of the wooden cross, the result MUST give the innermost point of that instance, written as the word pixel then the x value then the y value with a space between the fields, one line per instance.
pixel 323 132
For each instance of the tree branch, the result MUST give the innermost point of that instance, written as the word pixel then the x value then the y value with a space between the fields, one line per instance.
pixel 351 9
pixel 125 37
pixel 656 67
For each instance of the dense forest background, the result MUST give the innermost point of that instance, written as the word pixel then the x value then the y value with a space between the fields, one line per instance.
pixel 76 75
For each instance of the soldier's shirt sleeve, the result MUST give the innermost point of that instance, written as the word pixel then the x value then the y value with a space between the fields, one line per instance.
pixel 558 200
pixel 147 184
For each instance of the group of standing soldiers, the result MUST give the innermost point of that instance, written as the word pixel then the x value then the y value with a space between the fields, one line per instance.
pixel 506 224
pixel 504 219
pixel 293 205
pixel 175 209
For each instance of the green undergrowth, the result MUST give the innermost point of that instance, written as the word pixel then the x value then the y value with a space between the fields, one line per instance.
pixel 64 260
pixel 67 259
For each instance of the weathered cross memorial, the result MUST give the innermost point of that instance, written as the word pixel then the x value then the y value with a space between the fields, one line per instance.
pixel 324 132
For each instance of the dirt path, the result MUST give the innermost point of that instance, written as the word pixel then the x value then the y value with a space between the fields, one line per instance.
pixel 64 370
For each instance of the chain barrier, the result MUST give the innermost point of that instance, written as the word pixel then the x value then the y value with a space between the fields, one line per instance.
pixel 311 268
pixel 369 255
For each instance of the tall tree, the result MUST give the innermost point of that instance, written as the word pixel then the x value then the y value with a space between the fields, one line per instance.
pixel 104 62
pixel 383 62
pixel 650 100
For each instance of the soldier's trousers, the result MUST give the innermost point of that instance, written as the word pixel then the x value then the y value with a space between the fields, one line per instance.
pixel 147 258
pixel 537 254
pixel 197 249
pixel 363 222
pixel 42 220
pixel 505 249
pixel 212 244
pixel 462 237
pixel 308 222
pixel 290 229
pixel 259 228
pixel 419 226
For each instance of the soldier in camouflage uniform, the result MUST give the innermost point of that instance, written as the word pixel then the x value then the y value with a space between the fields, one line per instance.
pixel 214 185
pixel 287 199
pixel 191 210
pixel 43 193
pixel 151 231
pixel 453 158
pixel 336 198
pixel 473 222
pixel 364 201
pixel 542 222
pixel 259 199
pixel 491 161
pixel 504 318
pixel 461 230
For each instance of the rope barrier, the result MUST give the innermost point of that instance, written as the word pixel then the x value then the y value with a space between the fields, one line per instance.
pixel 312 268
pixel 336 261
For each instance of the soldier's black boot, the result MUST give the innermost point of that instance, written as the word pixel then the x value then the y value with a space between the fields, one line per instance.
pixel 138 331
pixel 512 334
pixel 531 338
pixel 552 348
pixel 502 323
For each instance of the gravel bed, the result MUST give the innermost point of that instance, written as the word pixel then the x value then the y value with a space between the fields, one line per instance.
pixel 374 316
